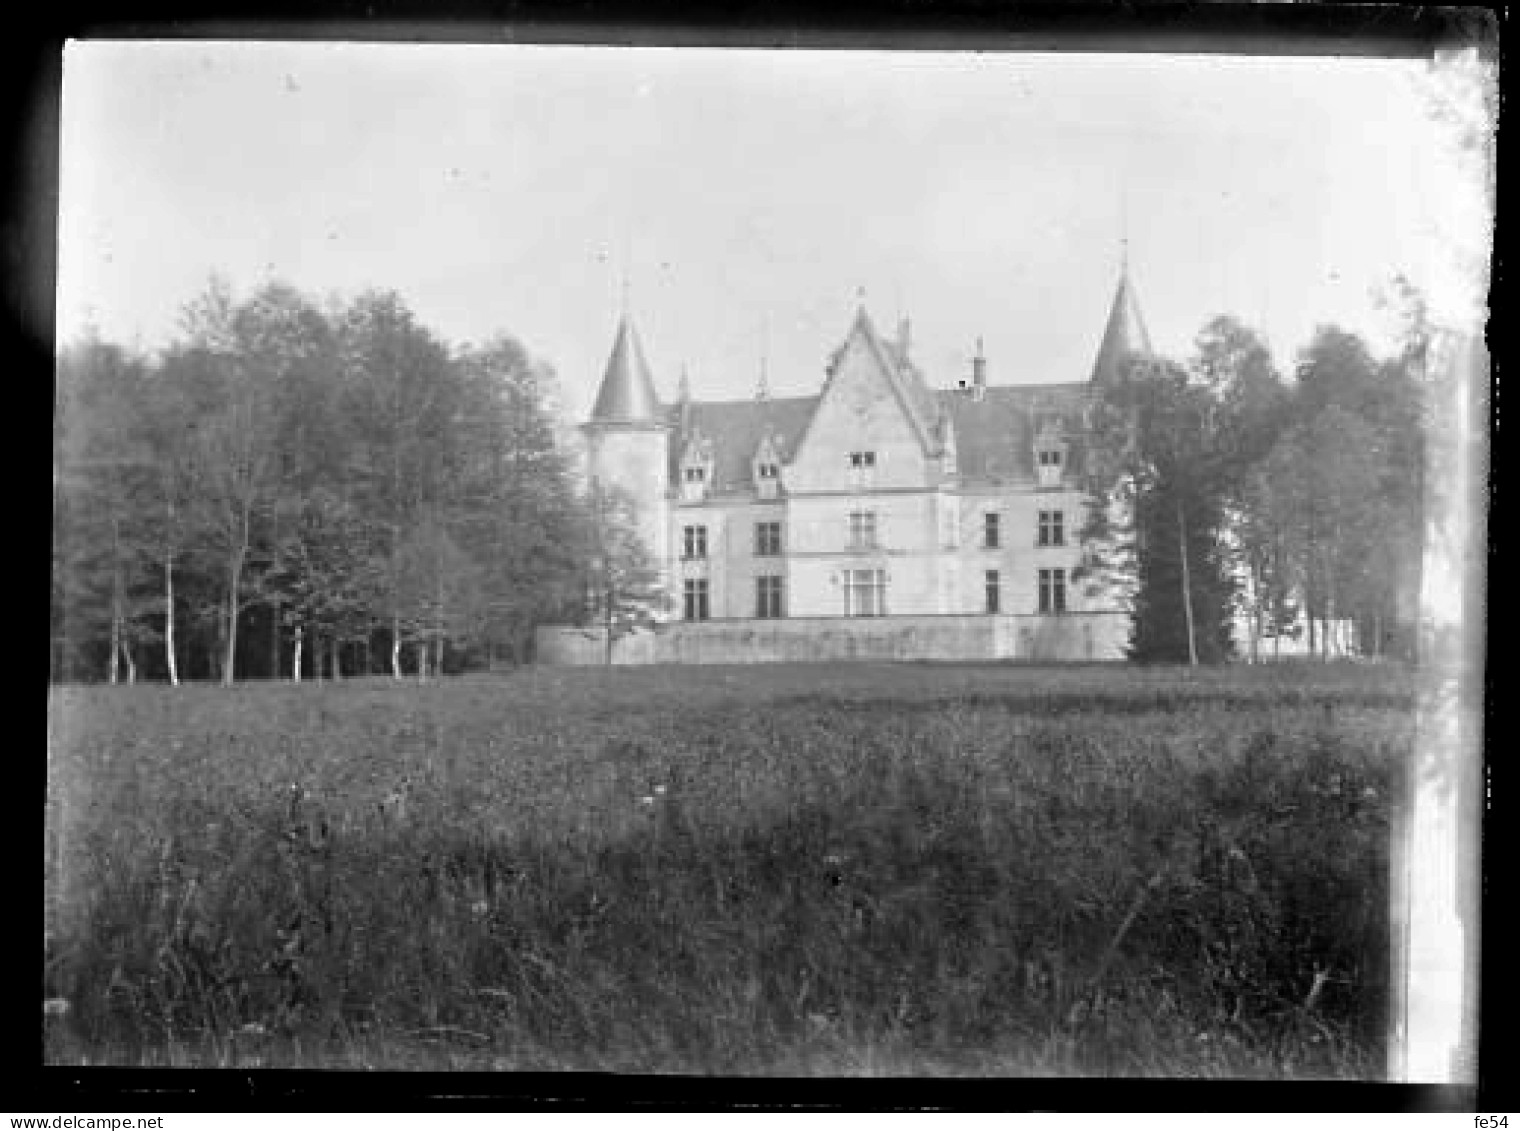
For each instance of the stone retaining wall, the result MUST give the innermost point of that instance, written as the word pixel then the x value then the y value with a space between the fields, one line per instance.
pixel 1070 636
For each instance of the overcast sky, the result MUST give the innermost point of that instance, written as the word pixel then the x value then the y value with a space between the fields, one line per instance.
pixel 749 196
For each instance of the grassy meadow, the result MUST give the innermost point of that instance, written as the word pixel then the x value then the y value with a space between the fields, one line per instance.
pixel 789 869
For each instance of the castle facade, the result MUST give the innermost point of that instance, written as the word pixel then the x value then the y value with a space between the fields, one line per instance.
pixel 882 517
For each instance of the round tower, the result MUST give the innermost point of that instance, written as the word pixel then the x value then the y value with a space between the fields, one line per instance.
pixel 628 442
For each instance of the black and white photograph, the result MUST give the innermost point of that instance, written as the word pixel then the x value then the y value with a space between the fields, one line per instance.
pixel 801 560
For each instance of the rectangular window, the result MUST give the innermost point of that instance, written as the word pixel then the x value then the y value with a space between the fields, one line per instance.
pixel 1048 473
pixel 767 471
pixel 1052 590
pixel 862 459
pixel 768 598
pixel 693 542
pixel 862 530
pixel 865 592
pixel 1052 530
pixel 694 598
pixel 990 531
pixel 695 474
pixel 767 539
pixel 994 591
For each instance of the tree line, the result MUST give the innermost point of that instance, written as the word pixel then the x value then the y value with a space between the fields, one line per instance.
pixel 1226 495
pixel 297 490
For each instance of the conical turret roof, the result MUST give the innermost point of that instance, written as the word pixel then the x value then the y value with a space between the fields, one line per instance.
pixel 1124 336
pixel 627 394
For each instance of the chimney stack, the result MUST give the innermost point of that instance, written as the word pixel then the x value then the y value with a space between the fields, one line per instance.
pixel 978 373
pixel 904 336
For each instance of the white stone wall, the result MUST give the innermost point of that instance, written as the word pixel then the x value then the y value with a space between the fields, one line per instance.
pixel 1076 637
pixel 635 460
pixel 1018 557
pixel 930 543
pixel 732 564
pixel 859 411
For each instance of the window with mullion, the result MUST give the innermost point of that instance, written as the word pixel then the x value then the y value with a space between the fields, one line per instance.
pixel 865 593
pixel 1052 529
pixel 767 539
pixel 1052 590
pixel 768 604
pixel 862 530
pixel 694 599
pixel 693 542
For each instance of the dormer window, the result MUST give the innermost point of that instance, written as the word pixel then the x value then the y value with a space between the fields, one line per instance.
pixel 860 460
pixel 1050 462
pixel 767 478
pixel 696 468
pixel 766 465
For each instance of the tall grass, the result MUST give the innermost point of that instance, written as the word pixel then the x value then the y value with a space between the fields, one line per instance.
pixel 779 870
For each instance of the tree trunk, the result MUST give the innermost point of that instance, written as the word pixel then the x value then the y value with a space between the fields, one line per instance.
pixel 438 656
pixel 169 658
pixel 1187 586
pixel 337 659
pixel 234 591
pixel 214 651
pixel 114 669
pixel 295 655
pixel 396 645
pixel 1330 637
pixel 1255 620
pixel 274 640
pixel 126 651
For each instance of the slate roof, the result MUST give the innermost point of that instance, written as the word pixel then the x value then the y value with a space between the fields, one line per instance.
pixel 994 437
pixel 1123 336
pixel 735 429
pixel 627 393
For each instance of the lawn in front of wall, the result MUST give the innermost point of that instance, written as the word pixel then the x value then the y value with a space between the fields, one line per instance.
pixel 769 869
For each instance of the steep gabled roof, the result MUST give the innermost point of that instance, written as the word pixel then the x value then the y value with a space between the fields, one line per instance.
pixel 920 397
pixel 627 393
pixel 907 383
pixel 1123 337
pixel 735 429
pixel 995 436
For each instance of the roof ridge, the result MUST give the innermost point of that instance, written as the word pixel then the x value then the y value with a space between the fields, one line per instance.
pixel 894 369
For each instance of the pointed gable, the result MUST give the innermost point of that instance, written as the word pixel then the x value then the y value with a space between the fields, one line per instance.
pixel 627 394
pixel 871 384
